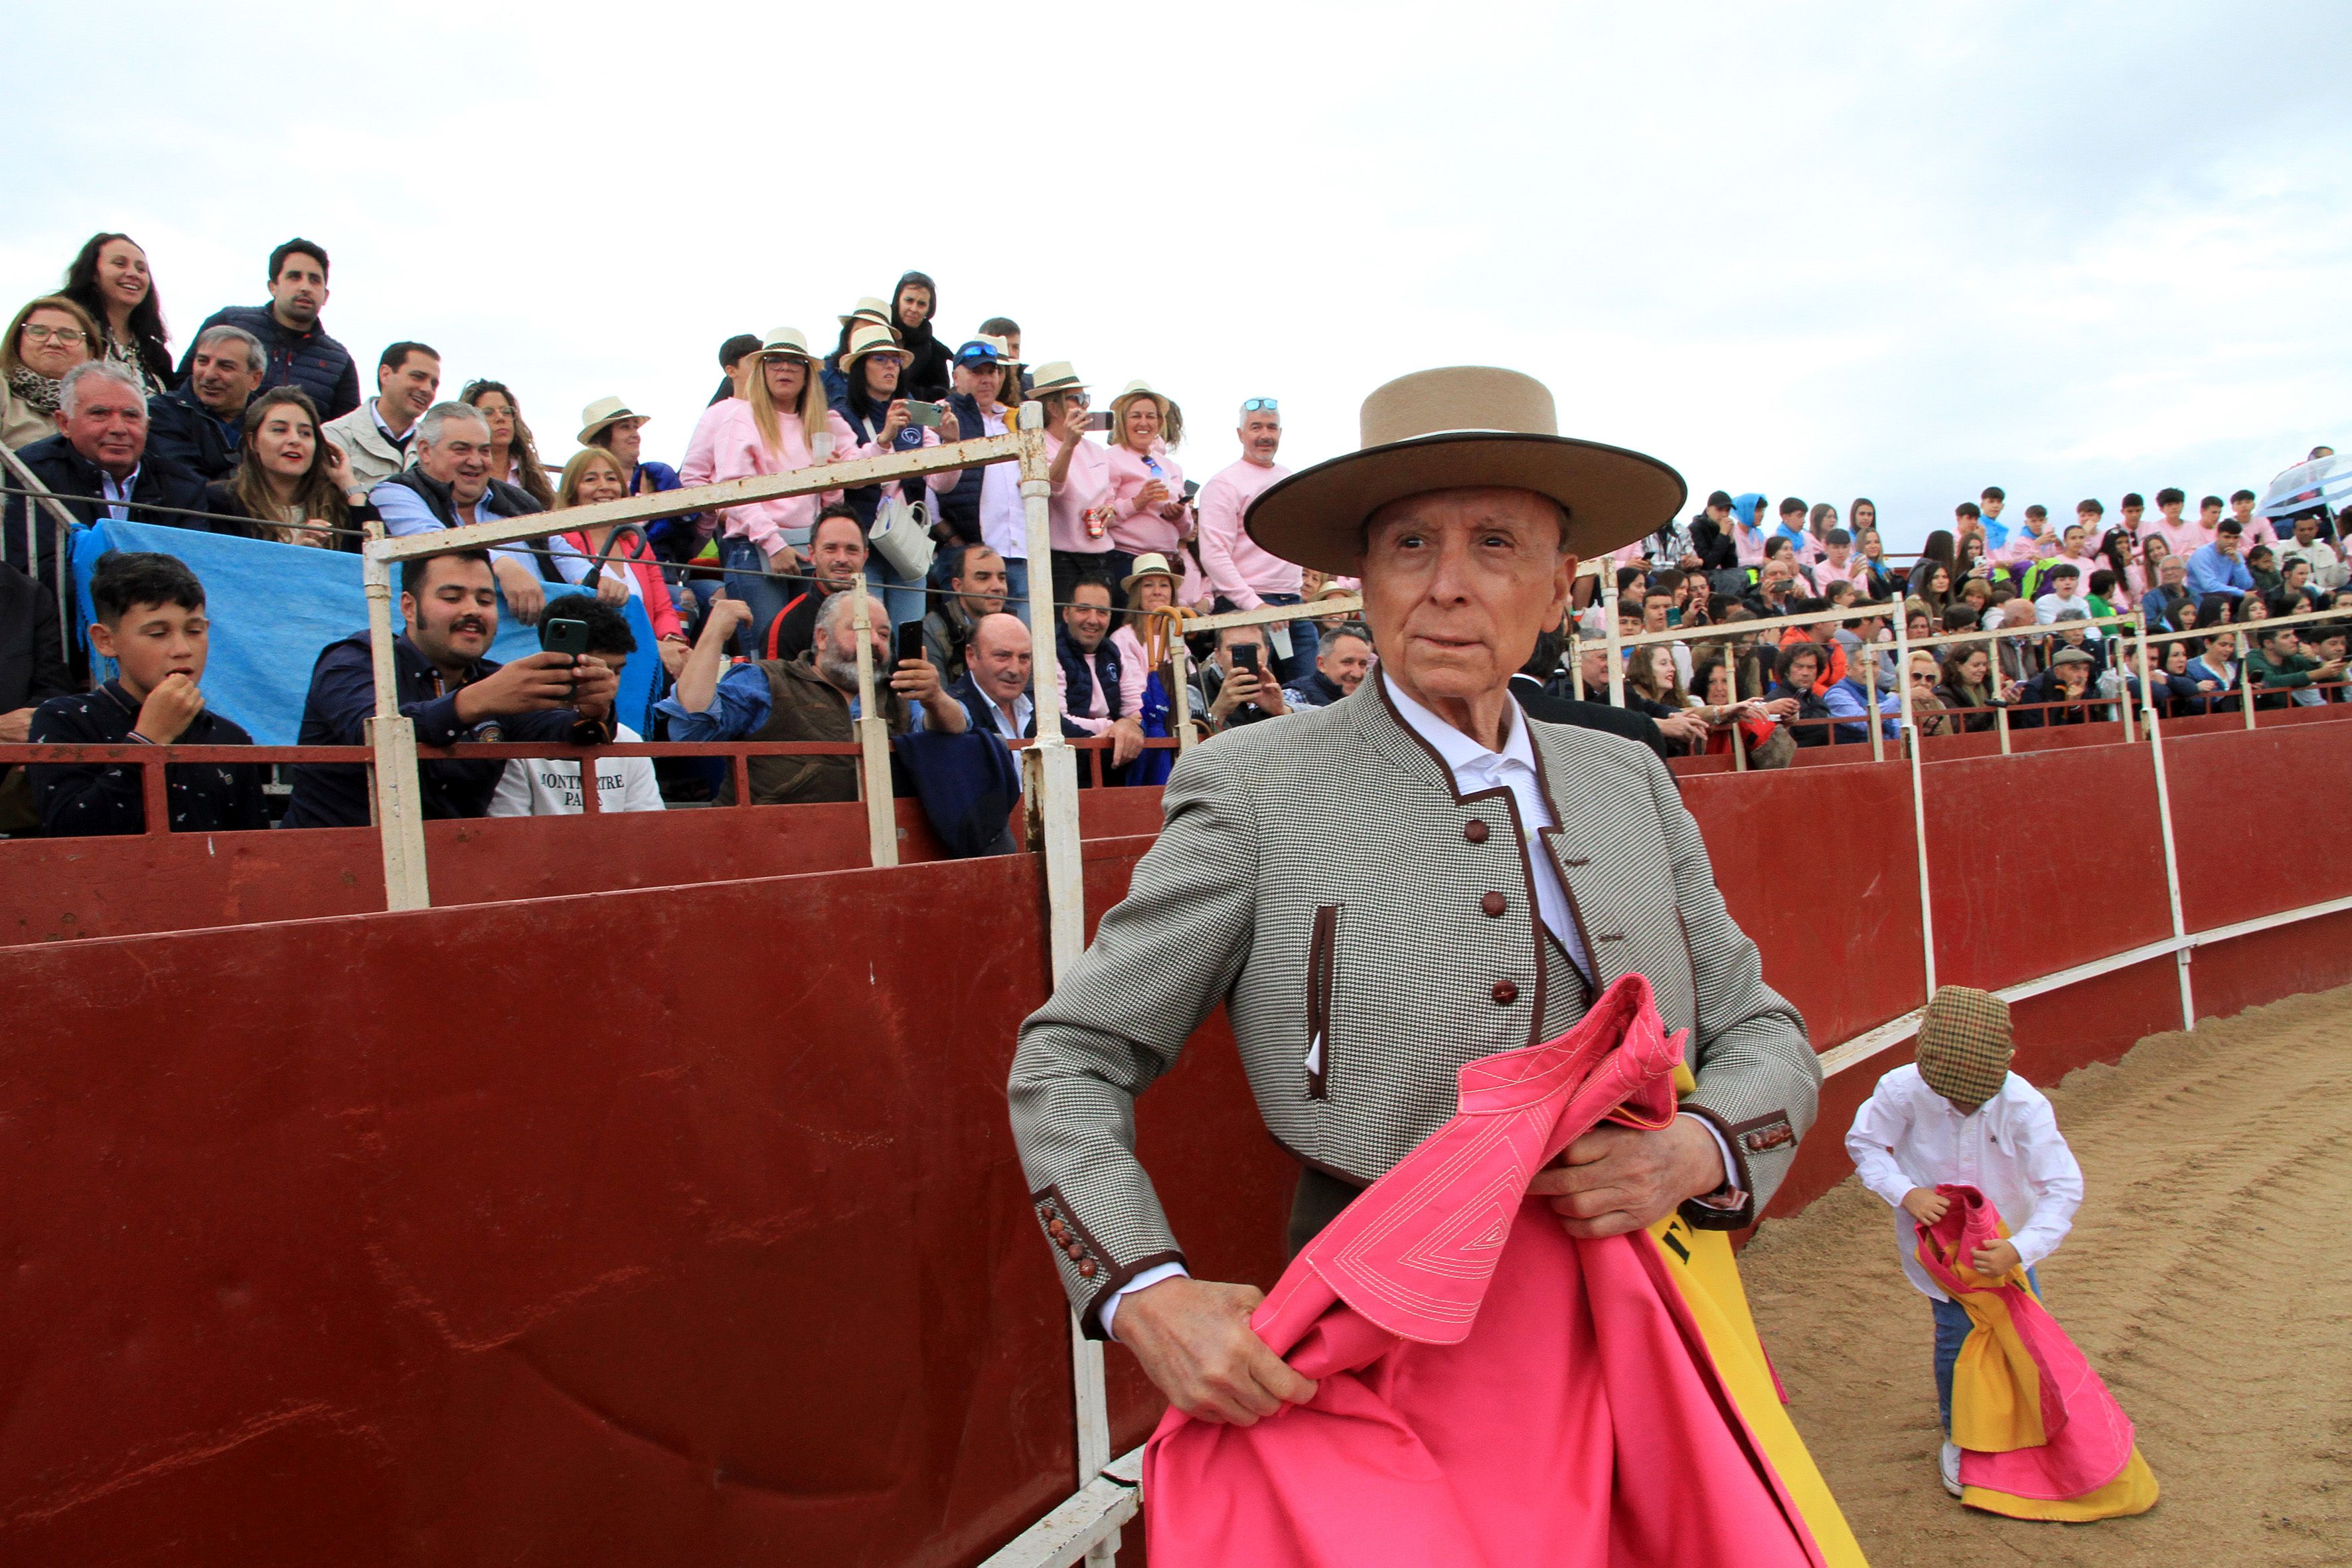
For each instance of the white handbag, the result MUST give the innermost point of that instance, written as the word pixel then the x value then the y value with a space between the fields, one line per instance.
pixel 903 535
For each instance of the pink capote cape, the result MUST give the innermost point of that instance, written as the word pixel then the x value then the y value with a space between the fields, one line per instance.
pixel 1492 1392
pixel 2039 1435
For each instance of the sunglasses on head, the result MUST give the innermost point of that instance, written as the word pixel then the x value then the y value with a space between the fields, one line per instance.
pixel 976 357
pixel 1262 406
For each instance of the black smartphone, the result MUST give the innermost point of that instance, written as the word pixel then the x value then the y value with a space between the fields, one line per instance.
pixel 911 641
pixel 1245 656
pixel 560 635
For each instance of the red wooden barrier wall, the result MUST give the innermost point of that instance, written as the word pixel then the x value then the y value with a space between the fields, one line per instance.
pixel 680 1224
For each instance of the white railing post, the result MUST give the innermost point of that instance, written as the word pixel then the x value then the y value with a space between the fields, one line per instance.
pixel 1609 634
pixel 391 735
pixel 2171 855
pixel 873 738
pixel 1050 767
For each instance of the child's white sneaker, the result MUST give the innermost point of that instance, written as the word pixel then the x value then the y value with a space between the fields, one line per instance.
pixel 1950 1463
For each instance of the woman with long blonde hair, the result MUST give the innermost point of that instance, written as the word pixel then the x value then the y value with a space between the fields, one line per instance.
pixel 774 429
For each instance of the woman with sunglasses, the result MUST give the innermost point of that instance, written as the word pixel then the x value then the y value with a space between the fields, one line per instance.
pixel 1149 512
pixel 48 338
pixel 773 428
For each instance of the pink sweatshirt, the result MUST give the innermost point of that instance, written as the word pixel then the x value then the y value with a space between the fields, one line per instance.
pixel 736 452
pixel 2024 547
pixel 2185 537
pixel 1087 486
pixel 1135 531
pixel 1131 671
pixel 1237 567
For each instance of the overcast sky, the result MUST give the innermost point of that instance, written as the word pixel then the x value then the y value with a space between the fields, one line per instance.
pixel 1827 251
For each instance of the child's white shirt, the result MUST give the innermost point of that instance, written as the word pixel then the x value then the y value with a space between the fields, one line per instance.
pixel 2009 1149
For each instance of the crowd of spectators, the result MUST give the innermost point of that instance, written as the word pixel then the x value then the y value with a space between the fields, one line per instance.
pixel 262 429
pixel 1820 682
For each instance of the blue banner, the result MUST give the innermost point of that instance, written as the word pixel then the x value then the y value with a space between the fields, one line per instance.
pixel 275 606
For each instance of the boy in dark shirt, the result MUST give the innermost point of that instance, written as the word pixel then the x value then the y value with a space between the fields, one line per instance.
pixel 151 621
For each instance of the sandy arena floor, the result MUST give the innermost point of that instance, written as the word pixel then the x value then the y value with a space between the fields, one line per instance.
pixel 2208 1277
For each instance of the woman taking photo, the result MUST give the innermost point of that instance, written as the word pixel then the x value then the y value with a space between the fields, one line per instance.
pixel 48 338
pixel 1148 516
pixel 633 571
pixel 109 282
pixel 290 485
pixel 1080 506
pixel 882 422
pixel 514 456
pixel 772 429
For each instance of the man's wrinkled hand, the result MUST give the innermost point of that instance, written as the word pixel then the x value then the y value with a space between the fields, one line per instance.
pixel 1194 1339
pixel 1614 1180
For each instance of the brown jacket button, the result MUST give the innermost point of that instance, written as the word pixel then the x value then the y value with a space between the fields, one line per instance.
pixel 1086 1269
pixel 1058 1231
pixel 1075 1251
pixel 1493 904
pixel 1475 831
pixel 1505 993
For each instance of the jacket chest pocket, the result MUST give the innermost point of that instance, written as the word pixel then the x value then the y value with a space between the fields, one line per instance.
pixel 1322 959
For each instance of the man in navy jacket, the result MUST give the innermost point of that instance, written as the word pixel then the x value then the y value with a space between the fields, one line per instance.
pixel 449 692
pixel 301 353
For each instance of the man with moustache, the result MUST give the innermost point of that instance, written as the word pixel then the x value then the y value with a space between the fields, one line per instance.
pixel 451 692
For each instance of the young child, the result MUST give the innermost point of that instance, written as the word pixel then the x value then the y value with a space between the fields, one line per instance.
pixel 1957 1114
pixel 151 621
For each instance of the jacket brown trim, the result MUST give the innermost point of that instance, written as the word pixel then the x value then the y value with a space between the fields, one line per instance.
pixel 1699 1215
pixel 1322 959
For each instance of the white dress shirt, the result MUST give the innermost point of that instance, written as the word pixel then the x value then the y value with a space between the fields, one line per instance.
pixel 2009 1149
pixel 1014 728
pixel 118 492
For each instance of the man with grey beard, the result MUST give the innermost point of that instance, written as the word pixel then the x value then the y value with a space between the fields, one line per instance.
pixel 811 698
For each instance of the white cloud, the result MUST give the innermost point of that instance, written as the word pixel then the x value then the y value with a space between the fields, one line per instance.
pixel 1828 251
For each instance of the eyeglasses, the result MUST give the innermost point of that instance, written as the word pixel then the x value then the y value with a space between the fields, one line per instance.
pixel 66 335
pixel 1262 406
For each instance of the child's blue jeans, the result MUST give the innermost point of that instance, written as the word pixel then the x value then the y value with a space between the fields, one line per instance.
pixel 1952 1325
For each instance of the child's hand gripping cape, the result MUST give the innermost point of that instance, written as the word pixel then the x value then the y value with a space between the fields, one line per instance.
pixel 2039 1435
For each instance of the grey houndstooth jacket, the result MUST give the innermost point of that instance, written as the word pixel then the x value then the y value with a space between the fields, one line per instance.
pixel 1321 876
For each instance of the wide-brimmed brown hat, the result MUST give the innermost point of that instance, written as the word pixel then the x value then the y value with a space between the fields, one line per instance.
pixel 1453 427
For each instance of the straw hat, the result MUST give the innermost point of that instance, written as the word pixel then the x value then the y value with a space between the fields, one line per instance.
pixel 1338 588
pixel 1056 376
pixel 1151 563
pixel 786 340
pixel 605 411
pixel 1462 426
pixel 873 339
pixel 869 309
pixel 1135 389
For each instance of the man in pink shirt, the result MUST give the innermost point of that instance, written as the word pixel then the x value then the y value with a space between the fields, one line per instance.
pixel 1241 573
pixel 2185 539
pixel 2256 530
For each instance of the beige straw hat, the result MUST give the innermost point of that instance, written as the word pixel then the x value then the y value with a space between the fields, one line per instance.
pixel 1056 376
pixel 605 411
pixel 1450 428
pixel 869 309
pixel 1151 563
pixel 786 340
pixel 873 339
